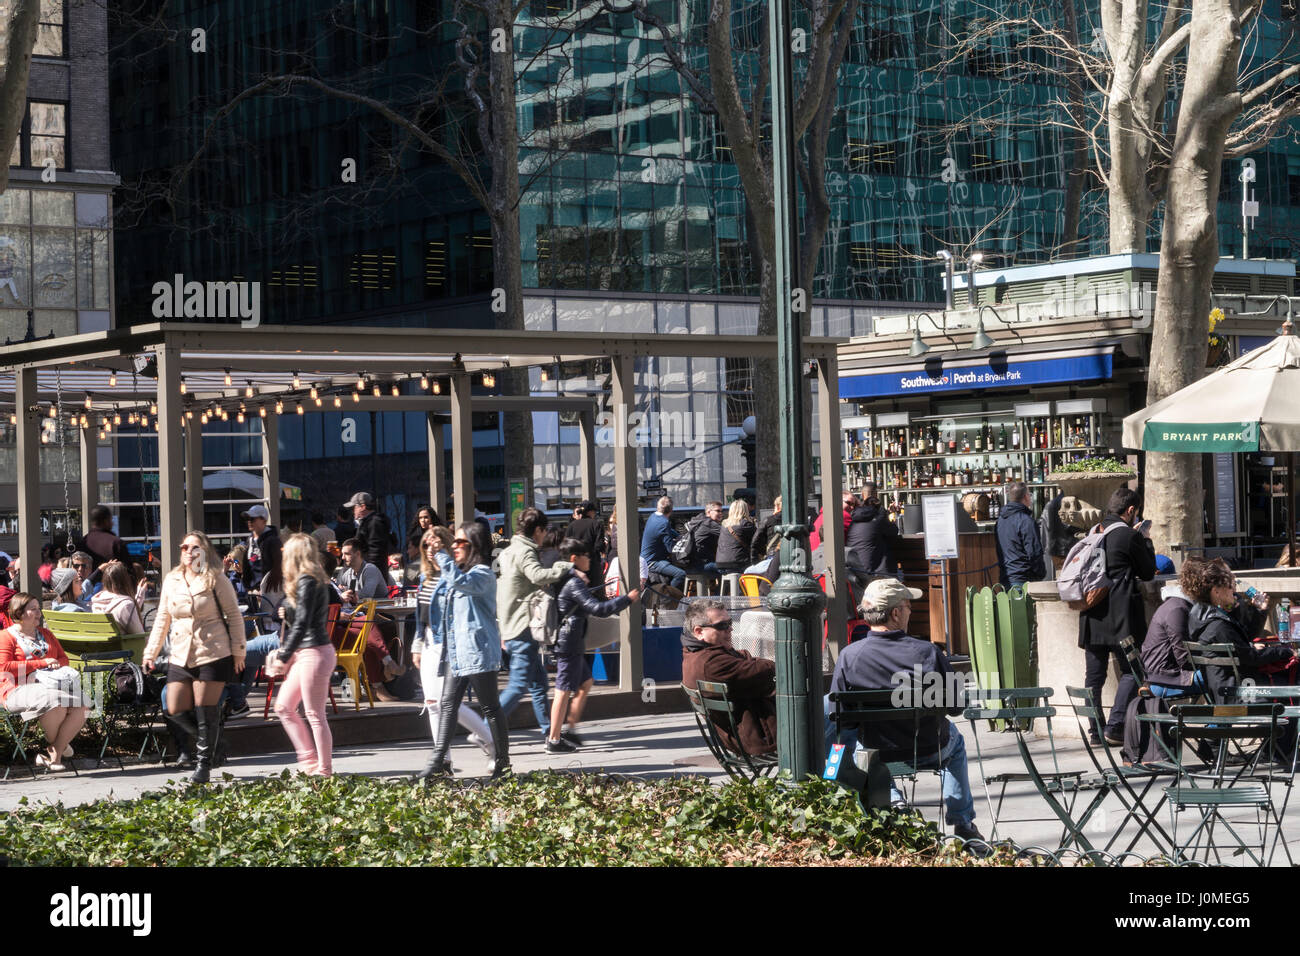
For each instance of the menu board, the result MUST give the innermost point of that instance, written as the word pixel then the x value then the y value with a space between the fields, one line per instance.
pixel 940 512
pixel 1225 493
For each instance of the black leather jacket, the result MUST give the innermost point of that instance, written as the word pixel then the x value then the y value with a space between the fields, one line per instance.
pixel 305 621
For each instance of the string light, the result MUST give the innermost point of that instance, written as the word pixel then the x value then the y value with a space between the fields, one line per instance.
pixel 227 378
pixel 87 401
pixel 376 389
pixel 155 427
pixel 130 418
pixel 144 421
pixel 117 417
pixel 153 408
pixel 300 411
pixel 13 418
pixel 72 420
pixel 279 407
pixel 318 402
pixel 424 382
pixel 203 418
pixel 183 389
pixel 296 382
pixel 112 380
pixel 240 417
pixel 248 390
pixel 261 411
pixel 189 414
pixel 356 397
pixel 54 412
pixel 338 402
pixel 361 384
pixel 437 387
pixel 85 422
pixel 313 391
pixel 396 391
pixel 545 375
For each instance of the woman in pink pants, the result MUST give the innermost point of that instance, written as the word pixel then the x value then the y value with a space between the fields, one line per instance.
pixel 307 655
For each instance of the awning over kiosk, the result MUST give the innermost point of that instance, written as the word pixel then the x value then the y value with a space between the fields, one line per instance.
pixel 959 372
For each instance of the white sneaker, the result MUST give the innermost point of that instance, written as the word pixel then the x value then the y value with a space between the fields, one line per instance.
pixel 484 744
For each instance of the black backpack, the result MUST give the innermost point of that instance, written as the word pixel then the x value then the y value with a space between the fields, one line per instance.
pixel 129 686
pixel 684 548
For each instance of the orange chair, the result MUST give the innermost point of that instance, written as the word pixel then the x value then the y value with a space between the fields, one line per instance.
pixel 351 649
pixel 331 619
pixel 749 584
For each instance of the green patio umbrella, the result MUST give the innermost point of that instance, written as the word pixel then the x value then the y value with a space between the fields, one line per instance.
pixel 1252 404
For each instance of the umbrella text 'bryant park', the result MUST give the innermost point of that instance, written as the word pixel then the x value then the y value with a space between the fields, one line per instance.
pixel 1250 405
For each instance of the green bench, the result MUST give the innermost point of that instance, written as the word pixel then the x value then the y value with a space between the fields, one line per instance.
pixel 82 631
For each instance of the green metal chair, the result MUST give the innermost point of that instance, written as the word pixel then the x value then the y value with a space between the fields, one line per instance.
pixel 113 715
pixel 1015 708
pixel 855 708
pixel 711 702
pixel 1215 790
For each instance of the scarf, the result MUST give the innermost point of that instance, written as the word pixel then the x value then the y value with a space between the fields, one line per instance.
pixel 32 647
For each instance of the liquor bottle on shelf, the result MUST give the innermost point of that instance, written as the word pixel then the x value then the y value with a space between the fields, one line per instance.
pixel 965 441
pixel 875 445
pixel 979 439
pixel 1002 438
pixel 952 442
pixel 1015 437
pixel 1080 434
pixel 1056 434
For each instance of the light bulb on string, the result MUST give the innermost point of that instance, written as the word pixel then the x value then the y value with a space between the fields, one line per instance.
pixel 117 417
pixel 279 407
pixel 300 411
pixel 156 428
pixel 296 382
pixel 356 397
pixel 112 380
pixel 546 376
pixel 144 421
pixel 338 402
pixel 189 414
pixel 240 417
pixel 376 390
pixel 437 387
pixel 261 411
pixel 424 382
pixel 183 389
pixel 227 378
pixel 87 401
pixel 153 408
pixel 85 422
pixel 248 390
pixel 203 418
pixel 54 411
pixel 396 391
pixel 130 418
pixel 361 384
pixel 314 393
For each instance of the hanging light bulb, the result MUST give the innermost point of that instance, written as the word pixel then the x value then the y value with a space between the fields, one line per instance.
pixel 54 411
pixel 153 408
pixel 313 391
pixel 88 401
pixel 546 376
pixel 189 414
pixel 72 420
pixel 13 418
pixel 225 415
pixel 130 418
pixel 338 402
pixel 112 380
pixel 356 397
pixel 144 421
pixel 227 378
pixel 396 391
pixel 203 418
pixel 183 389
pixel 261 411
pixel 85 422
pixel 296 382
pixel 318 401
pixel 279 407
pixel 424 381
pixel 361 383
pixel 248 390
pixel 117 417
pixel 376 390
pixel 242 407
pixel 300 411
pixel 240 417
pixel 155 427
pixel 437 387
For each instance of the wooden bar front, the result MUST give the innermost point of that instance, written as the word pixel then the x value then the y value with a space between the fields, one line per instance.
pixel 975 566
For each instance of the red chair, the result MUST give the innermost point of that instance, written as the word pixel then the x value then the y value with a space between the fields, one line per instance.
pixel 331 619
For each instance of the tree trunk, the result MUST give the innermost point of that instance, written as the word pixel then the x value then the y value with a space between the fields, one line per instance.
pixel 1189 253
pixel 503 211
pixel 18 39
pixel 1123 24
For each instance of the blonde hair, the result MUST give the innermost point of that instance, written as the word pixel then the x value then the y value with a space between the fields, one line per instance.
pixel 207 562
pixel 301 555
pixel 442 535
pixel 738 512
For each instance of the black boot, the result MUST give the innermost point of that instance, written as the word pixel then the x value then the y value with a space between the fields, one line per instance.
pixel 500 734
pixel 206 741
pixel 437 765
pixel 184 730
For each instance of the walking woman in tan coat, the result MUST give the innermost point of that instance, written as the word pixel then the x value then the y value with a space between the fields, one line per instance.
pixel 199 611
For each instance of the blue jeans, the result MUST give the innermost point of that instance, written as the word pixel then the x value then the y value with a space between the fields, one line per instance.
pixel 1164 690
pixel 669 570
pixel 254 656
pixel 527 675
pixel 958 802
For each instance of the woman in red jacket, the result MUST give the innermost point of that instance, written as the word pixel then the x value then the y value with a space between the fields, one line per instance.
pixel 27 651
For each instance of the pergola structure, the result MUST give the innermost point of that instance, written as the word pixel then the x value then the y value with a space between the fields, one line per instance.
pixel 185 374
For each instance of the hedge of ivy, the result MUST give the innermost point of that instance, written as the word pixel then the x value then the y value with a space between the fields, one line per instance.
pixel 537 819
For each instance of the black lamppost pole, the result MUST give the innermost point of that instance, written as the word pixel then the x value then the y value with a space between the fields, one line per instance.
pixel 795 599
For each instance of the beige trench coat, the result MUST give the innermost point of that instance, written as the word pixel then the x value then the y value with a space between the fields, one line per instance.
pixel 193 615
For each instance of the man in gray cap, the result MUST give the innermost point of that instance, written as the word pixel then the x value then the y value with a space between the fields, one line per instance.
pixel 264 545
pixel 374 535
pixel 887 658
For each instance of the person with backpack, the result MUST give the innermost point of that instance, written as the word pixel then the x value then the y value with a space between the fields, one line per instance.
pixel 573 678
pixel 1106 567
pixel 700 541
pixel 522 574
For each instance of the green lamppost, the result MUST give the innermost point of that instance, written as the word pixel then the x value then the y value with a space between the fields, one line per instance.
pixel 795 599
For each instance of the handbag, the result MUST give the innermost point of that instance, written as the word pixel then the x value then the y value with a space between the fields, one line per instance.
pixel 64 679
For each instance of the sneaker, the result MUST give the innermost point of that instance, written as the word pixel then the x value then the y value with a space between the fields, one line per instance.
pixel 238 710
pixel 974 842
pixel 483 744
pixel 967 832
pixel 560 746
pixel 573 737
pixel 1114 741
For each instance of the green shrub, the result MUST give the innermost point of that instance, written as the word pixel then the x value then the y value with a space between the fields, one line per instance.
pixel 539 819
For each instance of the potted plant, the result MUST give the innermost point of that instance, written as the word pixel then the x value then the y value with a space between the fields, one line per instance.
pixel 1216 345
pixel 1092 480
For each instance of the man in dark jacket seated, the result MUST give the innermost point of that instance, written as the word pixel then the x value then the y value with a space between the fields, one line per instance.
pixel 707 655
pixel 886 658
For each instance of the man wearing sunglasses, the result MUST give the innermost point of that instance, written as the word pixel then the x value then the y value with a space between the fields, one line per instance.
pixel 707 655
pixel 84 565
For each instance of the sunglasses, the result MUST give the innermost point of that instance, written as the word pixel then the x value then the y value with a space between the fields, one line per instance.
pixel 184 547
pixel 720 626
pixel 461 543
pixel 81 567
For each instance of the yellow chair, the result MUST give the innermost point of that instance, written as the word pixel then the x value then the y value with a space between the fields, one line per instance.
pixel 749 584
pixel 351 650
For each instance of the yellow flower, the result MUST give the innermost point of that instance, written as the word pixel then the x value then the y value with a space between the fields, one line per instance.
pixel 1216 316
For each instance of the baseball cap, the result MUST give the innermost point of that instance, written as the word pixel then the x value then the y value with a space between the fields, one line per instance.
pixel 61 580
pixel 885 594
pixel 360 498
pixel 587 505
pixel 257 511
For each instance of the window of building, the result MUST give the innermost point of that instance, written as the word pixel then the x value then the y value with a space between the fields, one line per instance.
pixel 44 135
pixel 51 33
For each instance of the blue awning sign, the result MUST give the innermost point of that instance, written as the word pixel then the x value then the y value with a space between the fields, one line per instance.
pixel 998 370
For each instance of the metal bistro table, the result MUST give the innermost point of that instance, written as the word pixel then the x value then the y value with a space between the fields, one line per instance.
pixel 400 611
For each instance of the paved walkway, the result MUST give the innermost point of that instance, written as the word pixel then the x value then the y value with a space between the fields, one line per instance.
pixel 651 746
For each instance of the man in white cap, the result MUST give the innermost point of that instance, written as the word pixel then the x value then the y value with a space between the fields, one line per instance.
pixel 885 659
pixel 263 544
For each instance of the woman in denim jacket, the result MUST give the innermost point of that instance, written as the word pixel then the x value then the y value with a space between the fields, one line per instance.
pixel 463 609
